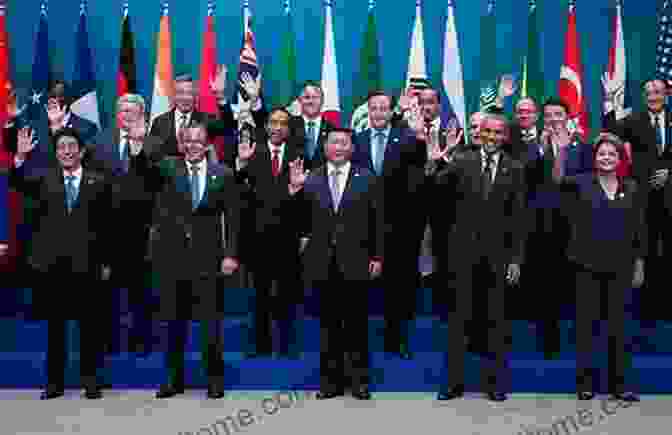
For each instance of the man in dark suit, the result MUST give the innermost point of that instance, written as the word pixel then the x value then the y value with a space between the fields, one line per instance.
pixel 263 166
pixel 310 130
pixel 650 136
pixel 167 126
pixel 548 226
pixel 342 238
pixel 71 244
pixel 60 114
pixel 114 149
pixel 524 130
pixel 395 156
pixel 489 191
pixel 195 237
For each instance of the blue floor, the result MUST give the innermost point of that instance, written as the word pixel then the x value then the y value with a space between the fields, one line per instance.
pixel 23 345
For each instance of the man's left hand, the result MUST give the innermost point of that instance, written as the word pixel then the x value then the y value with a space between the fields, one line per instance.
pixel 4 248
pixel 375 268
pixel 229 265
pixel 513 273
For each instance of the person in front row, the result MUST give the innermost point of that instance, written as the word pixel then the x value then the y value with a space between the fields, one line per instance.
pixel 608 242
pixel 489 193
pixel 195 236
pixel 70 247
pixel 342 244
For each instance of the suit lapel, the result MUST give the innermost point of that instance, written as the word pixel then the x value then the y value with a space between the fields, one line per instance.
pixel 182 181
pixel 347 190
pixel 325 190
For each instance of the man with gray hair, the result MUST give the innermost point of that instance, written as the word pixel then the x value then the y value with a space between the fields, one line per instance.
pixel 114 151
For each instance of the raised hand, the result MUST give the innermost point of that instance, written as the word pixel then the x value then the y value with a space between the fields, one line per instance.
pixel 56 115
pixel 297 175
pixel 25 142
pixel 612 88
pixel 507 86
pixel 218 84
pixel 246 150
pixel 251 86
pixel 229 265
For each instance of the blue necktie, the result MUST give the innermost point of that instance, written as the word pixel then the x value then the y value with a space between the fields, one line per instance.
pixel 70 192
pixel 195 188
pixel 379 139
pixel 659 136
pixel 310 138
pixel 123 152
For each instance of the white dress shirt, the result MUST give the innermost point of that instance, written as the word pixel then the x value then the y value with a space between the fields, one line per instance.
pixel 661 123
pixel 78 178
pixel 495 163
pixel 342 177
pixel 178 120
pixel 374 143
pixel 202 175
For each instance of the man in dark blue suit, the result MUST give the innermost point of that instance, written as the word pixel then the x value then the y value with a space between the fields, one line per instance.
pixel 548 226
pixel 397 158
pixel 113 151
pixel 60 115
pixel 342 238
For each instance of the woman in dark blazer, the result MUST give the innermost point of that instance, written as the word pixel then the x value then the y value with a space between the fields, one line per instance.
pixel 607 244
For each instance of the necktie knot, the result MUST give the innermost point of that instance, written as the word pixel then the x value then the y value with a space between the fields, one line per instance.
pixel 70 179
pixel 194 169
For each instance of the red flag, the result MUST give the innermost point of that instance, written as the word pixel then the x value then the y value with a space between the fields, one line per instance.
pixel 332 107
pixel 570 87
pixel 126 79
pixel 14 199
pixel 207 102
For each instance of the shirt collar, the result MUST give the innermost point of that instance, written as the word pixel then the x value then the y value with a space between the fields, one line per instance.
pixel 345 169
pixel 202 165
pixel 317 120
pixel 179 114
pixel 272 147
pixel 495 155
pixel 385 131
pixel 77 173
pixel 659 115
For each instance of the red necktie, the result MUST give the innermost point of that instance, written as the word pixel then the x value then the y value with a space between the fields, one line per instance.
pixel 275 164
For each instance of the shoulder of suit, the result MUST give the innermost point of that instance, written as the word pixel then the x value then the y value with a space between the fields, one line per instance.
pixel 361 171
pixel 94 175
pixel 221 169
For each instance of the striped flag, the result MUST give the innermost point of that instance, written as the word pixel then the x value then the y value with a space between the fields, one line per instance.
pixel 5 84
pixel 126 78
pixel 85 104
pixel 488 58
pixel 453 104
pixel 331 109
pixel 164 88
pixel 370 72
pixel 417 65
pixel 570 86
pixel 532 83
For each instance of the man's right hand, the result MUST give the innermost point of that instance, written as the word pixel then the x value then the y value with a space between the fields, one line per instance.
pixel 297 175
pixel 25 143
pixel 246 151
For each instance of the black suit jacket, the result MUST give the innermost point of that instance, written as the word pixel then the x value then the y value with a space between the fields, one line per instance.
pixel 354 233
pixel 272 226
pixel 83 236
pixel 492 227
pixel 606 236
pixel 163 127
pixel 226 127
pixel 297 134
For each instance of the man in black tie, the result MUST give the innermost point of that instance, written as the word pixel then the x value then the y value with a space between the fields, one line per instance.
pixel 489 191
pixel 70 249
pixel 648 132
pixel 263 166
pixel 524 131
pixel 342 238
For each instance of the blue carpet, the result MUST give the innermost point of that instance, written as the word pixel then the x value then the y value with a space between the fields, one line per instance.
pixel 23 345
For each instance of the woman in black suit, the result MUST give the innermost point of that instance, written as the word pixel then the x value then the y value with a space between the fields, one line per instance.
pixel 608 243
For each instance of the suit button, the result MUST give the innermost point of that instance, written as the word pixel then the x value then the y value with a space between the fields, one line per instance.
pixel 187 235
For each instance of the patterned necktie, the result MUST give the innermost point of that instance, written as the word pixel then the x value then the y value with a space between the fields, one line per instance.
pixel 486 177
pixel 659 136
pixel 195 187
pixel 70 192
pixel 559 164
pixel 380 151
pixel 311 139
pixel 182 123
pixel 336 188
pixel 275 162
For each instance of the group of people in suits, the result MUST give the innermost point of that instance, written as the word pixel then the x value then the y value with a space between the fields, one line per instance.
pixel 301 203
